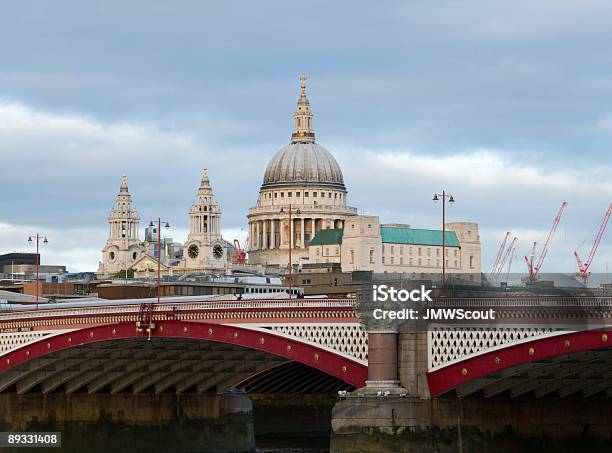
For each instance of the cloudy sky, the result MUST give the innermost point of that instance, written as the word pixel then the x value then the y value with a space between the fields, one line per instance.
pixel 507 105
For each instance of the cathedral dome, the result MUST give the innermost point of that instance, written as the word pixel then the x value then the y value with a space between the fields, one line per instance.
pixel 303 163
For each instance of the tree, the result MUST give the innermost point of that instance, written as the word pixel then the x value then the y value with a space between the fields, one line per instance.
pixel 125 274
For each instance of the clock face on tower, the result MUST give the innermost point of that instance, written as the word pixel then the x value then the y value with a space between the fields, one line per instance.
pixel 193 251
pixel 218 251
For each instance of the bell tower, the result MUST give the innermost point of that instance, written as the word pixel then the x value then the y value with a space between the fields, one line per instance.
pixel 123 246
pixel 204 248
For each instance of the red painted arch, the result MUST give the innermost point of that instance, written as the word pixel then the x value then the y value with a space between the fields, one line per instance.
pixel 452 376
pixel 349 371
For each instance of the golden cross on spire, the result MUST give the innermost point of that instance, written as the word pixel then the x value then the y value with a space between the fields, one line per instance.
pixel 206 172
pixel 303 79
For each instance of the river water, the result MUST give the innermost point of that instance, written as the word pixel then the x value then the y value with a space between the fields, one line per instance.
pixel 268 444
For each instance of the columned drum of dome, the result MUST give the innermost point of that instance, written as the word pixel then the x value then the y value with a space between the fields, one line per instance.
pixel 307 176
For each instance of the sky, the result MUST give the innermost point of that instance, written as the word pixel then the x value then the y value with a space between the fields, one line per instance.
pixel 506 105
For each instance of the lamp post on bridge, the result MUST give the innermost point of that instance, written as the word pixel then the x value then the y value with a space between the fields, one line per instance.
pixel 167 226
pixel 45 242
pixel 297 212
pixel 451 200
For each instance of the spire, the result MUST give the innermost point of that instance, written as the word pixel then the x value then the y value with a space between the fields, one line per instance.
pixel 124 195
pixel 302 129
pixel 124 187
pixel 205 183
pixel 123 209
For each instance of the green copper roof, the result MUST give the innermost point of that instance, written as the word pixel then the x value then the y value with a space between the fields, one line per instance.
pixel 327 237
pixel 418 237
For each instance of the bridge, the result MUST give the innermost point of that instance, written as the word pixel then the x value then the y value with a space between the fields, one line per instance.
pixel 540 350
pixel 182 344
pixel 542 345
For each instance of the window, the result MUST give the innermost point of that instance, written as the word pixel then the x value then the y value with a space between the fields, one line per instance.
pixel 275 195
pixel 383 249
pixel 282 194
pixel 317 252
pixel 401 250
pixel 383 260
pixel 352 256
pixel 329 195
pixel 314 194
pixel 471 262
pixel 437 252
pixel 456 263
pixel 392 250
pixel 352 225
pixel 419 261
pixel 410 250
pixel 335 195
pixel 297 194
pixel 428 252
pixel 305 194
pixel 322 194
pixel 401 260
pixel 455 253
pixel 391 260
pixel 409 261
pixel 419 251
pixel 289 194
pixel 372 256
pixel 437 263
pixel 327 251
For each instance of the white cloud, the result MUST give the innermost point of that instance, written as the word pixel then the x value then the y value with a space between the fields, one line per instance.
pixel 80 156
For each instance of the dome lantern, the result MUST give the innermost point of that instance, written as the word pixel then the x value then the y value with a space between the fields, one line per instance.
pixel 302 129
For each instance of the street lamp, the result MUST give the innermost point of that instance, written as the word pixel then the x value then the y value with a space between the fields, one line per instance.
pixel 290 212
pixel 45 242
pixel 167 226
pixel 451 200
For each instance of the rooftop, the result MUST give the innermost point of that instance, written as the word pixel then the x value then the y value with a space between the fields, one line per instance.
pixel 414 236
pixel 332 236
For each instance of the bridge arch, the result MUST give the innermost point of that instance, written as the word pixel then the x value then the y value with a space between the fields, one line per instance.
pixel 239 341
pixel 563 363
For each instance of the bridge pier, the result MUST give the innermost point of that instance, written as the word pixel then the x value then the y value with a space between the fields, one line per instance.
pixel 382 363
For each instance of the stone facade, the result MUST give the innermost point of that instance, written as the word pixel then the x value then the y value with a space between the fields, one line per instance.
pixel 366 245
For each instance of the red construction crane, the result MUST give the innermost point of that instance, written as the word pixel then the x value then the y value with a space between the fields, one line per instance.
pixel 499 254
pixel 239 254
pixel 534 270
pixel 583 268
